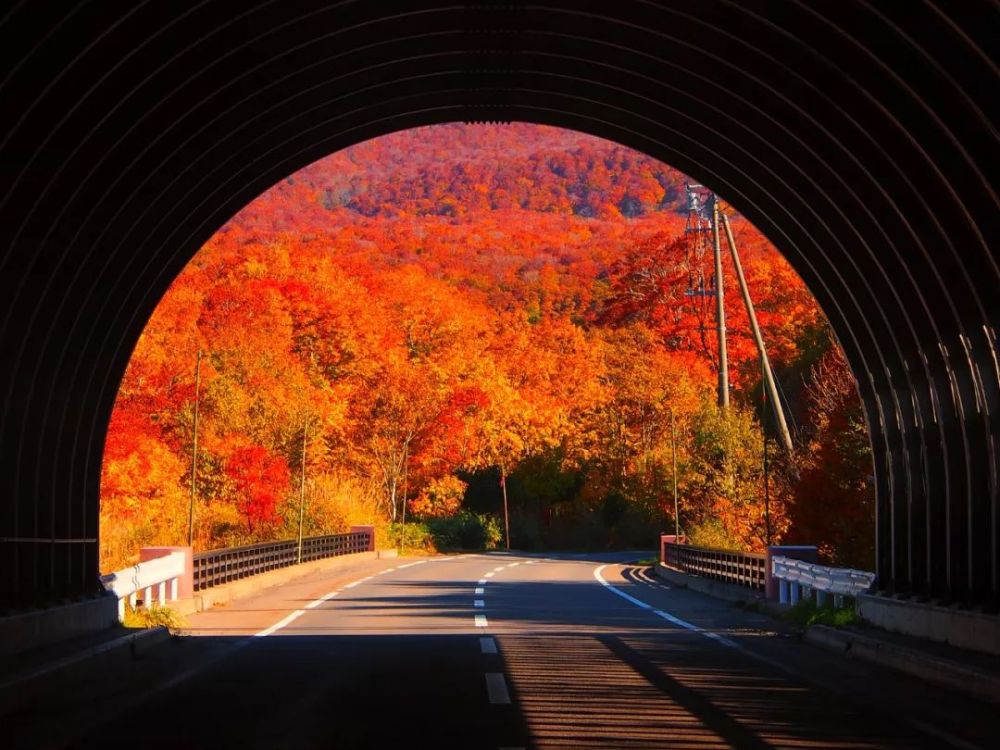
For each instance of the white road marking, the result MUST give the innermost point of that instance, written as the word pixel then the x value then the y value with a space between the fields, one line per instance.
pixel 479 603
pixel 921 726
pixel 489 575
pixel 499 567
pixel 496 686
pixel 481 581
pixel 410 565
pixel 324 598
pixel 481 621
pixel 530 562
pixel 513 564
pixel 352 584
pixel 487 645
pixel 480 590
pixel 281 623
pixel 659 613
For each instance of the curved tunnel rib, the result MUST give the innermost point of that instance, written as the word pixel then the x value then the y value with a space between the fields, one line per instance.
pixel 858 136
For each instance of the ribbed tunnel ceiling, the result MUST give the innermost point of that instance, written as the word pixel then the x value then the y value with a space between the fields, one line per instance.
pixel 859 136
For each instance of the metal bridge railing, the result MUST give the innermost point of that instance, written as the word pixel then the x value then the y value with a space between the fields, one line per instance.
pixel 742 568
pixel 216 567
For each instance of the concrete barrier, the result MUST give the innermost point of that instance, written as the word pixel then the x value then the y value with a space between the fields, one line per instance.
pixel 967 629
pixel 44 626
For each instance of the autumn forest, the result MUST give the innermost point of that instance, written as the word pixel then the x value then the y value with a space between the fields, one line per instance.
pixel 420 323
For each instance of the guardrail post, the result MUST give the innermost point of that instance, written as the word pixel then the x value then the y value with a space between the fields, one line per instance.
pixel 820 598
pixel 793 599
pixel 370 530
pixel 666 539
pixel 783 591
pixel 838 601
pixel 183 587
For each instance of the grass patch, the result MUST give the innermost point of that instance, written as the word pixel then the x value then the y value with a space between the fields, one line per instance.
pixel 806 613
pixel 153 617
pixel 647 561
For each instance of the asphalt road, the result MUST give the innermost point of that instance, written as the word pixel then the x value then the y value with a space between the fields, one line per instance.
pixel 495 651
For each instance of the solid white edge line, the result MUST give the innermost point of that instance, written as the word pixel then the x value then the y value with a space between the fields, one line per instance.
pixel 410 565
pixel 481 621
pixel 280 623
pixel 918 725
pixel 660 613
pixel 496 687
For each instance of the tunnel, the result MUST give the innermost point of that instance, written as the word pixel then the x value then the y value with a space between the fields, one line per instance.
pixel 858 135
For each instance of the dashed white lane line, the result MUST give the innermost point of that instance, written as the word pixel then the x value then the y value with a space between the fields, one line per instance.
pixel 499 568
pixel 487 645
pixel 490 574
pixel 479 603
pixel 480 590
pixel 496 686
pixel 481 621
pixel 513 564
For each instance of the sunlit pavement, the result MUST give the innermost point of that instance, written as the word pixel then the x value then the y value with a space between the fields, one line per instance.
pixel 495 651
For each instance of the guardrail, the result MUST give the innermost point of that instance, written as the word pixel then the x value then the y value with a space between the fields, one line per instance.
pixel 162 573
pixel 795 575
pixel 742 568
pixel 216 567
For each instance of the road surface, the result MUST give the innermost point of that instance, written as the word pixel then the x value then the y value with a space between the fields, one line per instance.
pixel 495 651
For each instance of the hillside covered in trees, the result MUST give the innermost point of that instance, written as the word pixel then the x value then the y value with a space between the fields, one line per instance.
pixel 439 311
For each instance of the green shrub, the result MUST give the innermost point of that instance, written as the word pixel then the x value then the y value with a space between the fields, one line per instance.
pixel 466 530
pixel 153 617
pixel 806 613
pixel 413 536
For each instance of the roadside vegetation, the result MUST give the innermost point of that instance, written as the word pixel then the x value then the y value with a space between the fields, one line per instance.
pixel 440 319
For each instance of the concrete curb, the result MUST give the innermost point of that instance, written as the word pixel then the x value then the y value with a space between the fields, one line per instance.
pixel 960 677
pixel 136 643
pixel 719 589
pixel 963 678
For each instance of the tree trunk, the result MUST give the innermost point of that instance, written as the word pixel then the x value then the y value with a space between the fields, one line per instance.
pixel 506 514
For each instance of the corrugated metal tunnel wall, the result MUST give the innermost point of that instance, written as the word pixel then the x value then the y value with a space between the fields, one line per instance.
pixel 859 135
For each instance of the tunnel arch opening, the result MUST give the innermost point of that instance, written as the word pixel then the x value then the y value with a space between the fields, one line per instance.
pixel 532 189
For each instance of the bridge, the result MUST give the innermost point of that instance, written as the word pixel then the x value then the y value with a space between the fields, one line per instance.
pixel 486 651
pixel 859 136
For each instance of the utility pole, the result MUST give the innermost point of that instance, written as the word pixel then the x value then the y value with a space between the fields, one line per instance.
pixel 406 476
pixel 194 450
pixel 768 374
pixel 673 466
pixel 302 488
pixel 767 482
pixel 720 308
